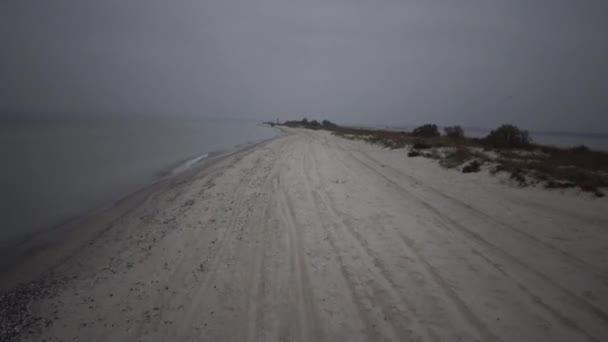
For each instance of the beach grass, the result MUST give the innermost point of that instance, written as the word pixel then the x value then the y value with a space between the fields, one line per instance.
pixel 507 149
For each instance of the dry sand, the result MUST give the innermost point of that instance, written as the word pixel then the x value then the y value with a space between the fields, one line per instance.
pixel 310 237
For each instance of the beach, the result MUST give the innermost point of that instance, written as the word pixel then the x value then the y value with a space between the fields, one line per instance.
pixel 312 237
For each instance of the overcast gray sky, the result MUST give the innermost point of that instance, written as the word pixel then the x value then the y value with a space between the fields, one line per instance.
pixel 541 64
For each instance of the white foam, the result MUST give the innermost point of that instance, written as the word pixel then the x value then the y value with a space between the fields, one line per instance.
pixel 189 163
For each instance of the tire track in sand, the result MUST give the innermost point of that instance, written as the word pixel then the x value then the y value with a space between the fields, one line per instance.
pixel 485 333
pixel 449 224
pixel 494 222
pixel 379 291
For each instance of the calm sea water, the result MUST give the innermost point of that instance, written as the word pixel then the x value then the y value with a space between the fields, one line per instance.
pixel 55 169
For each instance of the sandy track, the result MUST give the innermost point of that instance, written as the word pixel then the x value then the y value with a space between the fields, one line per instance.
pixel 310 237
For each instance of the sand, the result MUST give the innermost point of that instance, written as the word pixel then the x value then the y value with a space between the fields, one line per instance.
pixel 310 237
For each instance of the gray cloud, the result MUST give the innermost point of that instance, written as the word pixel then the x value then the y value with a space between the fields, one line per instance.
pixel 540 64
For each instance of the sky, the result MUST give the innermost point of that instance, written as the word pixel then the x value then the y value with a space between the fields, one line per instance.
pixel 539 64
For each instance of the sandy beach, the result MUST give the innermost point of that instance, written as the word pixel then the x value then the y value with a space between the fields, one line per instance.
pixel 311 237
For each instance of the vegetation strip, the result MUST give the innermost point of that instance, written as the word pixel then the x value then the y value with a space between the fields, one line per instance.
pixel 508 149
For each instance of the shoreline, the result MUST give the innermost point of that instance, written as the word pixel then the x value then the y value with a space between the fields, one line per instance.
pixel 61 241
pixel 310 236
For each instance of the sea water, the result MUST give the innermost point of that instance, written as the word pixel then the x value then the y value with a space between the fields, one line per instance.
pixel 56 168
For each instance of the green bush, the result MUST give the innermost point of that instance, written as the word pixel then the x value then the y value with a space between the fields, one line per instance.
pixel 472 167
pixel 509 136
pixel 580 149
pixel 456 158
pixel 328 124
pixel 421 145
pixel 427 130
pixel 314 124
pixel 454 132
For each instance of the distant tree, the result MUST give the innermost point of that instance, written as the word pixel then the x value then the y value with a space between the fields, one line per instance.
pixel 455 132
pixel 427 130
pixel 509 136
pixel 291 123
pixel 304 121
pixel 314 124
pixel 580 149
pixel 328 124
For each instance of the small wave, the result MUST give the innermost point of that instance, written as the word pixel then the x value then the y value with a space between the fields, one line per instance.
pixel 189 163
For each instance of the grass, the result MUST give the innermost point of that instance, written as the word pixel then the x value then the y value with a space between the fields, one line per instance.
pixel 526 164
pixel 472 167
pixel 454 159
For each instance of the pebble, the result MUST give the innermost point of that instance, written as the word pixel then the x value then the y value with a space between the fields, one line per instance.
pixel 15 319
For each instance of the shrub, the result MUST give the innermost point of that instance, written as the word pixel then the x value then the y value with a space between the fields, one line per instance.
pixel 413 153
pixel 454 132
pixel 509 136
pixel 328 124
pixel 427 130
pixel 551 184
pixel 580 149
pixel 519 176
pixel 474 166
pixel 456 158
pixel 314 124
pixel 292 123
pixel 421 146
pixel 304 123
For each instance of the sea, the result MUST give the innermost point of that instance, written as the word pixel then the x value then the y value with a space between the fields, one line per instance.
pixel 58 167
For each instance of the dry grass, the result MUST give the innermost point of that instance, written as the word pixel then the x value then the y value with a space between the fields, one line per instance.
pixel 460 156
pixel 536 164
pixel 552 167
